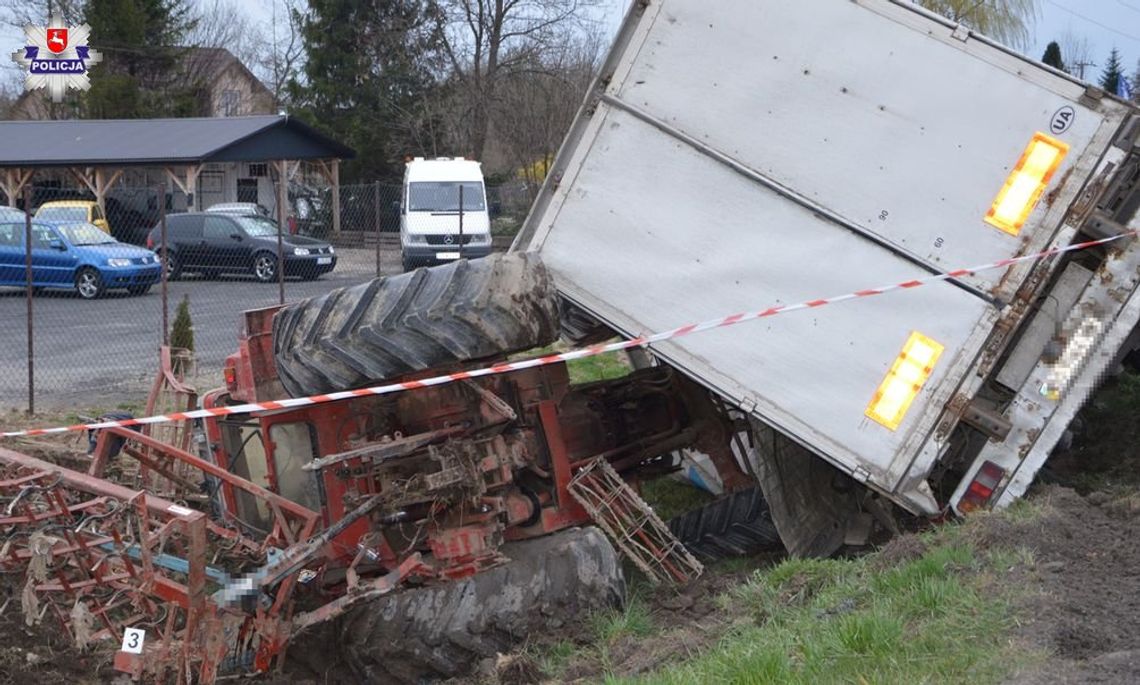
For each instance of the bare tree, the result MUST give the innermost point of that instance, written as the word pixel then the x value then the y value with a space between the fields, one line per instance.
pixel 1077 53
pixel 20 13
pixel 281 60
pixel 271 50
pixel 224 24
pixel 537 105
pixel 7 97
pixel 1009 21
pixel 490 40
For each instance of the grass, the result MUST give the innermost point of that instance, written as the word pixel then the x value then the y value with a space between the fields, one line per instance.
pixel 631 621
pixel 670 497
pixel 1106 460
pixel 599 367
pixel 941 617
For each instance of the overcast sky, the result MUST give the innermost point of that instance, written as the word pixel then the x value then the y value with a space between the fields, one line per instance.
pixel 1103 23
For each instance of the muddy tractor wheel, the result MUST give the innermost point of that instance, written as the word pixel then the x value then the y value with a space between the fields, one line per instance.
pixel 735 525
pixel 444 631
pixel 460 312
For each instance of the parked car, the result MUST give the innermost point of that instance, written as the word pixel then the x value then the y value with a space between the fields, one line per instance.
pixel 304 212
pixel 75 255
pixel 211 243
pixel 74 211
pixel 12 214
pixel 240 208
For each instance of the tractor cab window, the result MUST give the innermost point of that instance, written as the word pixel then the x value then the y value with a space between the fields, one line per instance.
pixel 243 443
pixel 293 448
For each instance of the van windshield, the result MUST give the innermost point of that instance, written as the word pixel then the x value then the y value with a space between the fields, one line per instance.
pixel 443 196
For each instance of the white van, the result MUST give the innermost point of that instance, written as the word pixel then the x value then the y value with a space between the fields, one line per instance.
pixel 433 227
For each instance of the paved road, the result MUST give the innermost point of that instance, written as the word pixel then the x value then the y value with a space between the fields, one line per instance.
pixel 104 352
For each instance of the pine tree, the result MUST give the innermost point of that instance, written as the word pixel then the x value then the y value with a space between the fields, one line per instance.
pixel 140 42
pixel 1135 81
pixel 369 68
pixel 1110 77
pixel 182 330
pixel 1052 56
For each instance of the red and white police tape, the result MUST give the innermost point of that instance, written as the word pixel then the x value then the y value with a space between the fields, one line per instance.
pixel 507 367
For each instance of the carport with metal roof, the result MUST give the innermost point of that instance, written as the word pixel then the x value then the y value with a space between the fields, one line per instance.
pixel 96 152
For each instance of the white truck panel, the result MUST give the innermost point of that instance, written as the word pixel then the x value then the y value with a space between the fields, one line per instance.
pixel 815 370
pixel 910 141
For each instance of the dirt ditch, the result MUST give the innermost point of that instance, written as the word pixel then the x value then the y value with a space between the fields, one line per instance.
pixel 1085 611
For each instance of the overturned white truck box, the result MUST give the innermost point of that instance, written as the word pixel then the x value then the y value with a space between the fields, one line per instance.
pixel 746 154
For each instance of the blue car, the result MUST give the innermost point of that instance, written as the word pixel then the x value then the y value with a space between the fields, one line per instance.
pixel 76 256
pixel 11 214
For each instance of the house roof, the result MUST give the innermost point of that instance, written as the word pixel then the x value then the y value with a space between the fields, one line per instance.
pixel 135 142
pixel 210 63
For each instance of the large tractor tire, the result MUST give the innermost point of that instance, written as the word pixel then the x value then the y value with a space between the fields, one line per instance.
pixel 444 631
pixel 387 328
pixel 735 525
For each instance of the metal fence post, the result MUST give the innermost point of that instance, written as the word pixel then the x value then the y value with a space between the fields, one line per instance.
pixel 30 293
pixel 461 221
pixel 281 211
pixel 165 264
pixel 376 210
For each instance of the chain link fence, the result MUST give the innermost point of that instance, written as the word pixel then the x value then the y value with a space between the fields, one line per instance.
pixel 102 299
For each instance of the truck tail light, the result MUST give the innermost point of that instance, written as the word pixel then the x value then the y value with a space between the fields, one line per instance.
pixel 230 374
pixel 149 243
pixel 905 379
pixel 981 489
pixel 1026 183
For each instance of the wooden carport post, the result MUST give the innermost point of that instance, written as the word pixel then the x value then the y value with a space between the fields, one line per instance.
pixel 189 187
pixel 282 217
pixel 98 183
pixel 13 183
pixel 331 172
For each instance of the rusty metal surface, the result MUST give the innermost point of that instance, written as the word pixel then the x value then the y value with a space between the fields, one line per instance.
pixel 427 485
pixel 633 525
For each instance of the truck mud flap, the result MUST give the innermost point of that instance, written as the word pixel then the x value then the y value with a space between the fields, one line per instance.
pixel 810 502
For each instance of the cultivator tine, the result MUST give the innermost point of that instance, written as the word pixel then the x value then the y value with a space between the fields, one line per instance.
pixel 101 558
pixel 169 394
pixel 632 524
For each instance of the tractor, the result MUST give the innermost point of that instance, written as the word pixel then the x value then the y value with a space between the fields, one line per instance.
pixel 417 531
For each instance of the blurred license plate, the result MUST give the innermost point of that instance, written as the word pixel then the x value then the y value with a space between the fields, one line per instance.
pixel 447 255
pixel 324 260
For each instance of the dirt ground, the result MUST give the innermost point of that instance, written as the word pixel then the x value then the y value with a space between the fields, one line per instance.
pixel 1085 610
